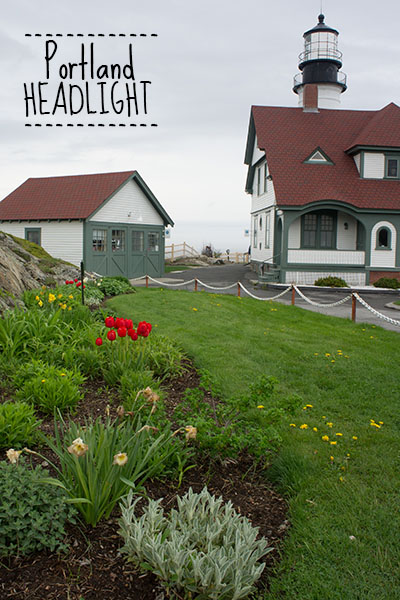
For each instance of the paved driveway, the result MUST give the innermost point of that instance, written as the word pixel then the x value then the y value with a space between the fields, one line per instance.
pixel 225 275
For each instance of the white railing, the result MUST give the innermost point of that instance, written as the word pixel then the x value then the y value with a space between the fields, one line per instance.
pixel 174 251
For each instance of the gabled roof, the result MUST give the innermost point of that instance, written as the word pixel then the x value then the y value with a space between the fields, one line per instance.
pixel 288 135
pixel 69 197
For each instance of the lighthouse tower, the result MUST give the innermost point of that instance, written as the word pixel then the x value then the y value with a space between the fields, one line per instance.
pixel 320 83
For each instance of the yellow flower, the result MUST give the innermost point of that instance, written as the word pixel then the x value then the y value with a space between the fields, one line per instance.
pixel 191 432
pixel 332 361
pixel 51 298
pixel 62 375
pixel 78 447
pixel 59 296
pixel 341 478
pixel 354 438
pixel 342 468
pixel 71 297
pixel 304 426
pixel 260 406
pixel 63 306
pixel 195 309
pixel 340 434
pixel 380 422
pixel 325 438
pixel 13 455
pixel 309 405
pixel 292 425
pixel 43 380
pixel 327 354
pixel 376 425
pixel 40 303
pixel 120 459
pixel 332 458
pixel 315 353
pixel 314 429
pixel 333 443
pixel 69 308
pixel 37 298
pixel 323 416
pixel 330 424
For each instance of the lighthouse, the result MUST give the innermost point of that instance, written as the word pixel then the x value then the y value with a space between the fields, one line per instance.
pixel 320 83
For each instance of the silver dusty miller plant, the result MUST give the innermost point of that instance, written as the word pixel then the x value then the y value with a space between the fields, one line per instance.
pixel 203 549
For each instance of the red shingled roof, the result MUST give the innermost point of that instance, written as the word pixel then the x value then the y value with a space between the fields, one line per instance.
pixel 289 135
pixel 70 197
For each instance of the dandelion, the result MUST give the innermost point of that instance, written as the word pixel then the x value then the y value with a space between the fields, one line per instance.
pixel 341 478
pixel 325 438
pixel 78 447
pixel 380 422
pixel 375 425
pixel 323 416
pixel 260 406
pixel 195 309
pixel 13 455
pixel 355 438
pixel 62 375
pixel 120 459
pixel 340 434
pixel 327 354
pixel 330 424
pixel 332 458
pixel 292 425
pixel 315 353
pixel 342 468
pixel 309 405
pixel 332 361
pixel 304 426
pixel 333 443
pixel 43 380
pixel 191 432
pixel 314 429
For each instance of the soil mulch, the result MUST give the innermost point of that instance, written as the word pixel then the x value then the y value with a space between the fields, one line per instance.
pixel 94 569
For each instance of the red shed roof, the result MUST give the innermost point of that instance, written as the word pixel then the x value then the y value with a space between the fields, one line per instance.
pixel 70 197
pixel 289 135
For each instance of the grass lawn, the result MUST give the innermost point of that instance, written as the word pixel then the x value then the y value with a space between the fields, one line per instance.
pixel 344 542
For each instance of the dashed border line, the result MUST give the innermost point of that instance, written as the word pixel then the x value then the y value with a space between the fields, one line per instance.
pixel 91 34
pixel 91 124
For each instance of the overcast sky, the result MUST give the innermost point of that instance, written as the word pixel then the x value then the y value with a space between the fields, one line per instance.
pixel 211 60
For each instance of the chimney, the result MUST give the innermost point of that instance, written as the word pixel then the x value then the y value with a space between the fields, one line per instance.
pixel 310 97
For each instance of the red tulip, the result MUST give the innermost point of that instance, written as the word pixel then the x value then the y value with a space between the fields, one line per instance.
pixel 134 336
pixel 79 284
pixel 99 341
pixel 109 322
pixel 75 280
pixel 128 323
pixel 149 326
pixel 119 323
pixel 142 327
pixel 111 335
pixel 122 331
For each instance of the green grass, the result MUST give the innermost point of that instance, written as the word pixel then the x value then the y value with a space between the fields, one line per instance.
pixel 239 339
pixel 172 268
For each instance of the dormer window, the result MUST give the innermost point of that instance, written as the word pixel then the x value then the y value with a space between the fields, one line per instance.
pixel 318 157
pixel 392 167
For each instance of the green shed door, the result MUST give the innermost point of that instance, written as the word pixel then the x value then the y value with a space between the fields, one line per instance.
pixel 117 252
pixel 153 253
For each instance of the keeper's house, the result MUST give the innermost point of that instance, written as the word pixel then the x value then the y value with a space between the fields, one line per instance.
pixel 111 221
pixel 325 182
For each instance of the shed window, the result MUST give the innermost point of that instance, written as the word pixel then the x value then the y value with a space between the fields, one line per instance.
pixel 383 239
pixel 33 234
pixel 118 240
pixel 99 240
pixel 153 241
pixel 137 241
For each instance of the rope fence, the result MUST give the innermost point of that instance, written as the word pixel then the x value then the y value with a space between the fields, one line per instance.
pixel 354 296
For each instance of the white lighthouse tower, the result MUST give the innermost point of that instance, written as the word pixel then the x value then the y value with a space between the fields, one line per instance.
pixel 320 83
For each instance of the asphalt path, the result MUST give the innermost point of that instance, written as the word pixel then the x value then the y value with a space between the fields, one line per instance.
pixel 221 276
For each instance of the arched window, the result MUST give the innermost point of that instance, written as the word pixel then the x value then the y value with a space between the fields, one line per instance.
pixel 383 239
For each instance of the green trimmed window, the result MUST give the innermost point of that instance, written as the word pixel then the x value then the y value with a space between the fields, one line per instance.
pixel 392 167
pixel 318 230
pixel 137 241
pixel 99 240
pixel 153 241
pixel 33 234
pixel 383 239
pixel 118 240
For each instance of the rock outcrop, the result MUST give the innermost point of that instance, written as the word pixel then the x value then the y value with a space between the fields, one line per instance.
pixel 25 266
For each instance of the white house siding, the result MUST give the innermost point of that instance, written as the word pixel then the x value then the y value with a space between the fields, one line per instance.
pixel 61 239
pixel 346 239
pixel 309 277
pixel 357 160
pixel 257 153
pixel 129 205
pixel 326 257
pixel 383 258
pixel 295 234
pixel 259 252
pixel 374 165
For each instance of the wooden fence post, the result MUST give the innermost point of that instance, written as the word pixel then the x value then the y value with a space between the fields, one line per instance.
pixel 353 307
pixel 293 295
pixel 195 285
pixel 147 281
pixel 238 290
pixel 172 251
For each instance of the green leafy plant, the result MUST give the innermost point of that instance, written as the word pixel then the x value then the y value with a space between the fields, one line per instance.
pixel 114 286
pixel 387 282
pixel 32 514
pixel 47 386
pixel 331 281
pixel 164 357
pixel 18 424
pixel 101 461
pixel 204 549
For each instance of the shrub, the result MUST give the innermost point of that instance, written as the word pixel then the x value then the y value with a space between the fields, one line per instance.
pixel 114 286
pixel 204 549
pixel 331 282
pixel 18 424
pixel 47 386
pixel 32 514
pixel 101 461
pixel 387 282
